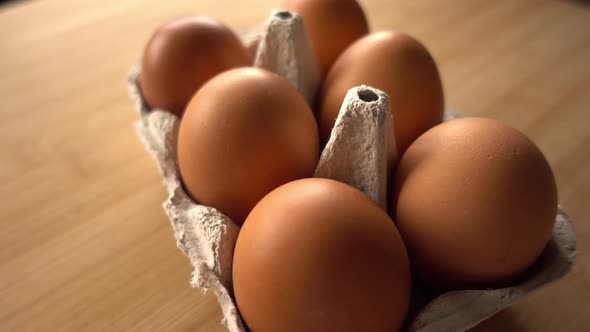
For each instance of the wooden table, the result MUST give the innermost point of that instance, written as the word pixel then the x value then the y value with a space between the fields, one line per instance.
pixel 85 244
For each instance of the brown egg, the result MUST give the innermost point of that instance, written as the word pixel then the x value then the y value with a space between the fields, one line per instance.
pixel 331 25
pixel 182 55
pixel 319 255
pixel 245 132
pixel 400 66
pixel 475 201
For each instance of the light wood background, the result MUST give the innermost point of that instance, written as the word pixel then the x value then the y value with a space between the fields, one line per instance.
pixel 84 242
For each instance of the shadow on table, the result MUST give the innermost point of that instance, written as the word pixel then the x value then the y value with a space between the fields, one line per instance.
pixel 502 321
pixel 6 2
pixel 583 3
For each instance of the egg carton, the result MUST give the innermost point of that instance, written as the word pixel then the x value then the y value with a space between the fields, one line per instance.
pixel 360 152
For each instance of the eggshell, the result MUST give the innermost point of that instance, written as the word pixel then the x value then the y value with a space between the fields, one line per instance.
pixel 332 25
pixel 245 132
pixel 401 67
pixel 475 201
pixel 319 255
pixel 182 55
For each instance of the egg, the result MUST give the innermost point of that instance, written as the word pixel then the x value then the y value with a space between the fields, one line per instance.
pixel 397 64
pixel 244 133
pixel 182 55
pixel 319 255
pixel 331 25
pixel 475 201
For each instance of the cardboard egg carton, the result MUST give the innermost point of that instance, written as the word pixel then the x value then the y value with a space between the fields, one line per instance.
pixel 360 152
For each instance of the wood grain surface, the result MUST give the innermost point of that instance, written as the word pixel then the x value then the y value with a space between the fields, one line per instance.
pixel 84 242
